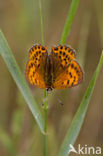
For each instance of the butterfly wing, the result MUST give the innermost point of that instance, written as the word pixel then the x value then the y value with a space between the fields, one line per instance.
pixel 63 53
pixel 71 76
pixel 67 72
pixel 35 68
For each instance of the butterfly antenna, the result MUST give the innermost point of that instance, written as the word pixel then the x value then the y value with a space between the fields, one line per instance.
pixel 60 102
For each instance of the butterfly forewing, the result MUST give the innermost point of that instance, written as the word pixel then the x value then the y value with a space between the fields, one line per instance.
pixel 37 50
pixel 35 68
pixel 63 53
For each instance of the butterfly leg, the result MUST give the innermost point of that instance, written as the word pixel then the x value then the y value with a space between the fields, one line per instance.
pixel 49 92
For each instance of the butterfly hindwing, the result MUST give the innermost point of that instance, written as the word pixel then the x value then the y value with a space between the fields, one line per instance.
pixel 35 67
pixel 71 76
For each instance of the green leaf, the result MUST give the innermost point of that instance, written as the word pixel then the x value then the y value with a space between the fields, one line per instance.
pixel 69 20
pixel 18 77
pixel 78 119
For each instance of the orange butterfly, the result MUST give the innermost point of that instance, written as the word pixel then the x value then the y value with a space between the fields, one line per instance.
pixel 57 70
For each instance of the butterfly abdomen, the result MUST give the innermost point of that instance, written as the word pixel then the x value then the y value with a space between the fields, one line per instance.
pixel 48 72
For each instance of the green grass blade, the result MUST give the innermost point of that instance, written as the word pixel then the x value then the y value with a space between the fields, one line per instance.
pixel 78 119
pixel 69 20
pixel 10 61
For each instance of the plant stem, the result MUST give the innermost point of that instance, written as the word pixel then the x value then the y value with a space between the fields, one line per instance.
pixel 41 23
pixel 45 123
pixel 45 92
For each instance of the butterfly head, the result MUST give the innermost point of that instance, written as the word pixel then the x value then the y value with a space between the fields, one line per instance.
pixel 49 89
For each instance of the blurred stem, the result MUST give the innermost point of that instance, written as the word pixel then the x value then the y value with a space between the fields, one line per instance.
pixel 82 45
pixel 69 20
pixel 98 8
pixel 8 143
pixel 45 92
pixel 45 123
pixel 41 23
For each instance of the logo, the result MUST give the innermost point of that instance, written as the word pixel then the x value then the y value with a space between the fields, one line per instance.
pixel 85 149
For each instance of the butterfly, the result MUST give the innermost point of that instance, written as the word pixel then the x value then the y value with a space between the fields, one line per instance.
pixel 57 70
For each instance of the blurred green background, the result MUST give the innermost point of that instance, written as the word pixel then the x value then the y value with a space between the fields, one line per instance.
pixel 20 23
